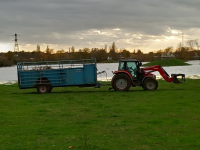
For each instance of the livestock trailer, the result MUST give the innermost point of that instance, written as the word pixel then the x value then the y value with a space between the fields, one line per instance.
pixel 45 75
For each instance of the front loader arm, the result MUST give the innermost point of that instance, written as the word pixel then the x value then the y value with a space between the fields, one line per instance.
pixel 164 74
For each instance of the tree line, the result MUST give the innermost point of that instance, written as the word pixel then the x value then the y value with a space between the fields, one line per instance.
pixel 100 54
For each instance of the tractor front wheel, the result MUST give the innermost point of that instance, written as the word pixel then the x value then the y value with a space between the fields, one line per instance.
pixel 150 84
pixel 121 82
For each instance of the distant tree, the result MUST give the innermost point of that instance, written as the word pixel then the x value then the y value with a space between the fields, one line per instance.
pixel 10 55
pixel 139 51
pixel 113 47
pixel 5 62
pixel 126 53
pixel 182 53
pixel 139 55
pixel 72 52
pixel 169 50
pixel 112 52
pixel 158 54
pixel 77 55
pixel 86 53
pixel 159 51
pixel 98 54
pixel 38 48
pixel 193 44
pixel 60 54
pixel 48 53
pixel 150 56
pixel 60 51
pixel 72 49
pixel 38 53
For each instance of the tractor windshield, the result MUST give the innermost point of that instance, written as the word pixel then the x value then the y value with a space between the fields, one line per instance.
pixel 131 67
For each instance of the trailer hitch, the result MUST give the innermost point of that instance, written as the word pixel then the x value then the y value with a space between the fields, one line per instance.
pixel 175 79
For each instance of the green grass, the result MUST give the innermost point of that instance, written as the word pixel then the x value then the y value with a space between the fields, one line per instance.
pixel 93 119
pixel 167 62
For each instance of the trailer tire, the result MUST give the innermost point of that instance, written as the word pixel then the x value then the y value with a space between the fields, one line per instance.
pixel 150 84
pixel 44 81
pixel 43 88
pixel 121 82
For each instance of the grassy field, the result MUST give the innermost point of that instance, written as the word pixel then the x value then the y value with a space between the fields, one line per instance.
pixel 167 62
pixel 93 119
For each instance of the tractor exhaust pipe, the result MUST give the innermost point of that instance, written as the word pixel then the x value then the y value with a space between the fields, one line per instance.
pixel 175 79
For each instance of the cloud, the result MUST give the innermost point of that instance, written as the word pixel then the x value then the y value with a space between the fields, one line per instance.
pixel 117 29
pixel 131 24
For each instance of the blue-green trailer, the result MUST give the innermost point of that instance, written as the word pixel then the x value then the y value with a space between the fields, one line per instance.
pixel 46 75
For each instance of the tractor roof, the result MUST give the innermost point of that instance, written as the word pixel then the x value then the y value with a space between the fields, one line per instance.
pixel 128 60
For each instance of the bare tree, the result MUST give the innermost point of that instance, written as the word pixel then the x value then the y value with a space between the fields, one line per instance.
pixel 169 50
pixel 193 44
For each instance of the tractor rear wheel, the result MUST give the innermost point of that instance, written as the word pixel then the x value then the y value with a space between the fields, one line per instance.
pixel 150 84
pixel 121 82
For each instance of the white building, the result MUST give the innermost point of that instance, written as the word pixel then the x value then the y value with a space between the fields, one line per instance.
pixel 167 56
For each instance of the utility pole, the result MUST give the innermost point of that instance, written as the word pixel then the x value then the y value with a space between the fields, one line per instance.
pixel 16 47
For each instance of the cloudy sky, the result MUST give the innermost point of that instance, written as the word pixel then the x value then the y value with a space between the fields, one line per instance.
pixel 149 25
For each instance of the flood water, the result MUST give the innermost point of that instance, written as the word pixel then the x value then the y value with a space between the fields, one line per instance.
pixel 8 75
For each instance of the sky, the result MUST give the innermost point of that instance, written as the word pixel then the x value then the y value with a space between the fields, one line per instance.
pixel 149 25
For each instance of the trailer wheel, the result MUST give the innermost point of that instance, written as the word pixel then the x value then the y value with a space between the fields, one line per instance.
pixel 150 84
pixel 121 82
pixel 43 88
pixel 44 82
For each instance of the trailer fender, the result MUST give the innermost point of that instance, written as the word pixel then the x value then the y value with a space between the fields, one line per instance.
pixel 43 80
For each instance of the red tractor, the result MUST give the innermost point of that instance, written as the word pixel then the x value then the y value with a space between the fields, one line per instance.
pixel 129 73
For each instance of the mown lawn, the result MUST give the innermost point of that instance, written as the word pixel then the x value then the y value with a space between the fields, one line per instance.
pixel 87 118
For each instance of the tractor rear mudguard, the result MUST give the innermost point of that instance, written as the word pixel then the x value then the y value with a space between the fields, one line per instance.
pixel 175 79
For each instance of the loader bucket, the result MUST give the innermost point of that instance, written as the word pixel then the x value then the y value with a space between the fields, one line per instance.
pixel 175 79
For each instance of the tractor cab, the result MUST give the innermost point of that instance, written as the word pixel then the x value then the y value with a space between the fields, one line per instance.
pixel 130 65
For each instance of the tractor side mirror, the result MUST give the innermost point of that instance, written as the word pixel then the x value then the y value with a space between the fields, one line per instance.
pixel 140 63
